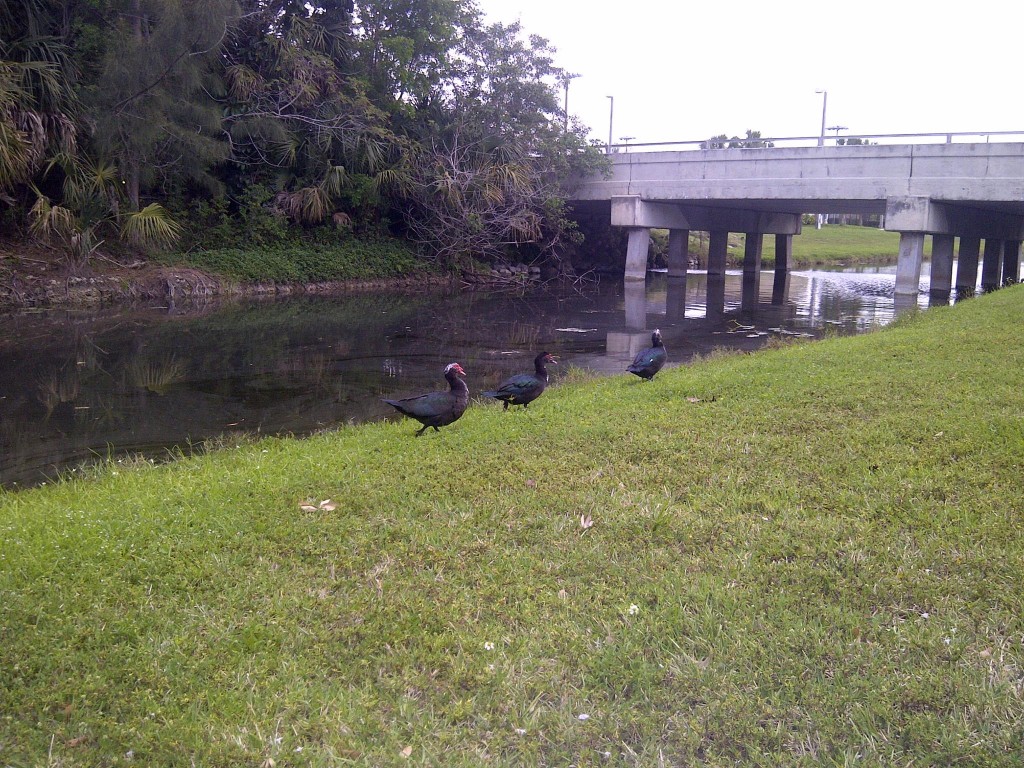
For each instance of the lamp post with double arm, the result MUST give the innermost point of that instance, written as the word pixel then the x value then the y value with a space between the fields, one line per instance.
pixel 611 115
pixel 824 106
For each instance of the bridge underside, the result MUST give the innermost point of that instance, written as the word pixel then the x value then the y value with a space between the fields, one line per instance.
pixel 970 192
pixel 999 224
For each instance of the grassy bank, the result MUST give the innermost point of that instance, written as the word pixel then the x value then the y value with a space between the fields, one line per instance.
pixel 840 244
pixel 806 556
pixel 349 259
pixel 832 244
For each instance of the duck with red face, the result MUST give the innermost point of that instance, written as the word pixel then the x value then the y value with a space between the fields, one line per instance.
pixel 437 409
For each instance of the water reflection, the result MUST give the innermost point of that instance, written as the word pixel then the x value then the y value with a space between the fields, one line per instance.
pixel 78 385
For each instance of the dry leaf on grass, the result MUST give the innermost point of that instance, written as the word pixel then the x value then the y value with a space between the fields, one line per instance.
pixel 324 506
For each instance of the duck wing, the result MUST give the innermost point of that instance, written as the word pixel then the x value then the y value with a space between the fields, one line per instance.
pixel 648 362
pixel 517 388
pixel 438 408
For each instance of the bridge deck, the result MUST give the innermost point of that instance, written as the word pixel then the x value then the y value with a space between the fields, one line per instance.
pixel 846 179
pixel 970 191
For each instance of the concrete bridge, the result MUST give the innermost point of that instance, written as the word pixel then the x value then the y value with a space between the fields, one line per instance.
pixel 973 192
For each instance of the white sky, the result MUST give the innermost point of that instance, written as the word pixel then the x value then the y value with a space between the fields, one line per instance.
pixel 689 69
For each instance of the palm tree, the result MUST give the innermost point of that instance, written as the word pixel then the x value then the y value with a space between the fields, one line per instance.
pixel 37 93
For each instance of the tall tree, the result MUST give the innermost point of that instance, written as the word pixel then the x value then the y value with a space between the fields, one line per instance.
pixel 153 102
pixel 408 51
pixel 488 181
pixel 298 121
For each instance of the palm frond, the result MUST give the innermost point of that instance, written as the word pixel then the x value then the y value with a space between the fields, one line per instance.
pixel 242 82
pixel 48 221
pixel 333 180
pixel 15 159
pixel 393 179
pixel 152 225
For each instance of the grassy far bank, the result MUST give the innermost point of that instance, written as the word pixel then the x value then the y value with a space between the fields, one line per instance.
pixel 355 259
pixel 835 244
pixel 832 244
pixel 349 259
pixel 34 275
pixel 806 556
pixel 840 244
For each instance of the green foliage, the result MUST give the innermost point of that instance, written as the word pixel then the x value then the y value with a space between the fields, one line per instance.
pixel 340 113
pixel 490 183
pixel 409 50
pixel 308 262
pixel 753 140
pixel 37 92
pixel 153 102
pixel 150 226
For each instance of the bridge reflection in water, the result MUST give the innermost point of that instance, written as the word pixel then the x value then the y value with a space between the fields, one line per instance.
pixel 692 310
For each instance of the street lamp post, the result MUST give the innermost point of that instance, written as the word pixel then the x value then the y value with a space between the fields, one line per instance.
pixel 611 115
pixel 568 78
pixel 837 129
pixel 625 140
pixel 824 105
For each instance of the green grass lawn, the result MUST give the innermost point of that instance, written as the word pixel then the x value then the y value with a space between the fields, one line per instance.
pixel 838 243
pixel 811 555
pixel 832 244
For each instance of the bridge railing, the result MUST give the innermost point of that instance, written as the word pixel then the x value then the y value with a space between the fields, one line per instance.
pixel 958 137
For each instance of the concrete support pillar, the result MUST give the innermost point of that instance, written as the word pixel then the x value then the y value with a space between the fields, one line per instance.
pixel 992 265
pixel 967 265
pixel 908 264
pixel 718 249
pixel 636 253
pixel 783 253
pixel 1011 262
pixel 678 252
pixel 715 300
pixel 675 299
pixel 752 248
pixel 750 291
pixel 780 288
pixel 635 300
pixel 942 266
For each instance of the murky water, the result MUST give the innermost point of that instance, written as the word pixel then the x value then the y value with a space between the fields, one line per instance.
pixel 78 385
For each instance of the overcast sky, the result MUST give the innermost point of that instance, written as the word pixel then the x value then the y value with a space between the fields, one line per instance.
pixel 683 69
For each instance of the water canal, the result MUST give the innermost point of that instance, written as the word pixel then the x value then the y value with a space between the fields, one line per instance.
pixel 76 386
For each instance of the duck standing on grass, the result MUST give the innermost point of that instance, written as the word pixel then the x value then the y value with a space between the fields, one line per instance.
pixel 651 360
pixel 437 409
pixel 524 388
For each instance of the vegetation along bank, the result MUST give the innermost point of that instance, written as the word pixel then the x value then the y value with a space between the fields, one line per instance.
pixel 809 555
pixel 283 128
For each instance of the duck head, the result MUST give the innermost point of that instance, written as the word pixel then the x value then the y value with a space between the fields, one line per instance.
pixel 454 367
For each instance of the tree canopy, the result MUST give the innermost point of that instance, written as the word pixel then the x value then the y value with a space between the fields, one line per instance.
pixel 147 119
